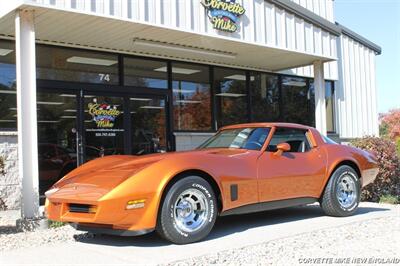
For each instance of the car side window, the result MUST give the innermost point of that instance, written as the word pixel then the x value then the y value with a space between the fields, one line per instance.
pixel 296 138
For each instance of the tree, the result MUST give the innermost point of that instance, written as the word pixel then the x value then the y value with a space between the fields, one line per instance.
pixel 391 124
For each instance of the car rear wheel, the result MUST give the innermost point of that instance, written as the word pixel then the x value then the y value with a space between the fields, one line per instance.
pixel 188 212
pixel 342 193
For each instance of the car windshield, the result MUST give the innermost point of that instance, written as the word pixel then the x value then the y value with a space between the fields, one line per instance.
pixel 239 138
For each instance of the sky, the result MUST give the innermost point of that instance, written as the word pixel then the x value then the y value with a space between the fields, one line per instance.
pixel 379 22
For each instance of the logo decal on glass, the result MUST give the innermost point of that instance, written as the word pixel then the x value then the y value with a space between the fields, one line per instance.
pixel 103 114
pixel 224 14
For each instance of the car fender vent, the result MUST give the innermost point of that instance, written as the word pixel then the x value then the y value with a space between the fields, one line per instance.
pixel 234 192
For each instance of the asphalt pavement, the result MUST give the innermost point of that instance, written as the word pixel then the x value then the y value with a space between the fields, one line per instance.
pixel 230 232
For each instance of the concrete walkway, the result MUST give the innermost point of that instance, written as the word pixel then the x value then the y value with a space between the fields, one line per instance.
pixel 230 232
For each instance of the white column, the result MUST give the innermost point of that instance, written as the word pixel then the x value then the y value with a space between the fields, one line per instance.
pixel 27 117
pixel 319 86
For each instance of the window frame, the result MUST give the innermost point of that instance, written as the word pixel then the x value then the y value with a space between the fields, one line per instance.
pixel 307 134
pixel 213 125
pixel 214 116
pixel 261 149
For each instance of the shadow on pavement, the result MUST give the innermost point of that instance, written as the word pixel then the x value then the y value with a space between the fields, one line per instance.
pixel 225 225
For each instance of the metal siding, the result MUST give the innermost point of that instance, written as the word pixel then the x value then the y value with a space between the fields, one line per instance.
pixel 356 107
pixel 309 37
pixel 317 41
pixel 358 91
pixel 323 8
pixel 263 23
pixel 270 24
pixel 347 97
pixel 291 32
pixel 280 27
pixel 364 92
pixel 260 36
pixel 373 95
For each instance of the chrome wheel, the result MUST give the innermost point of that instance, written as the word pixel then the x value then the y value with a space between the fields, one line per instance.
pixel 346 190
pixel 191 210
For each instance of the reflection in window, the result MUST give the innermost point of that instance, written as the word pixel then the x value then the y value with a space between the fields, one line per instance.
pixel 56 63
pixel 329 98
pixel 145 73
pixel 296 138
pixel 298 101
pixel 230 96
pixel 148 125
pixel 240 138
pixel 264 97
pixel 8 102
pixel 57 124
pixel 191 93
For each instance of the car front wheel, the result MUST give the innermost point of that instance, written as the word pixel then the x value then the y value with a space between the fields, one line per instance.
pixel 188 212
pixel 342 193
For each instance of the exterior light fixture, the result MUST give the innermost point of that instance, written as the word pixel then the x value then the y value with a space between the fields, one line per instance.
pixel 229 94
pixel 179 48
pixel 178 70
pixel 4 52
pixel 91 61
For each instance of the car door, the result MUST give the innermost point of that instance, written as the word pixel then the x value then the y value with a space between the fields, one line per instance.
pixel 293 174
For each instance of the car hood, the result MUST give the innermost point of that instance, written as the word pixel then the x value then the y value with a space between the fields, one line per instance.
pixel 96 178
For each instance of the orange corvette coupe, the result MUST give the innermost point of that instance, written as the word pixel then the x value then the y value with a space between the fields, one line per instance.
pixel 243 168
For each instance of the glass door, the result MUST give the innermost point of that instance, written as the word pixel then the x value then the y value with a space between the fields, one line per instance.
pixel 104 129
pixel 57 136
pixel 148 121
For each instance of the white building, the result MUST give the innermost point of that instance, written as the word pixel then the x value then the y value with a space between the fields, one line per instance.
pixel 90 78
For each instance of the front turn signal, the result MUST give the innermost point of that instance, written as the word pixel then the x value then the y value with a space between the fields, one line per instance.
pixel 135 204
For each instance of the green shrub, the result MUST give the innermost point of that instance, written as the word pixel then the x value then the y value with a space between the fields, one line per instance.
pixel 398 146
pixel 389 199
pixel 388 180
pixel 55 224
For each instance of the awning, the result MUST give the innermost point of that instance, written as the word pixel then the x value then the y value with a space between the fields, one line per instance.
pixel 105 33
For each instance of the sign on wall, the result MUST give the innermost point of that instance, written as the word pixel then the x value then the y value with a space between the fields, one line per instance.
pixel 104 115
pixel 224 14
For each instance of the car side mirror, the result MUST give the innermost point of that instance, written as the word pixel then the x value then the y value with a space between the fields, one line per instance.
pixel 281 148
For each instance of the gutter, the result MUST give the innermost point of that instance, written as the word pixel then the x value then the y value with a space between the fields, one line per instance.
pixel 346 31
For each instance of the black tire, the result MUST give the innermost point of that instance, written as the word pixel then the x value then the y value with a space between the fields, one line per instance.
pixel 167 226
pixel 330 202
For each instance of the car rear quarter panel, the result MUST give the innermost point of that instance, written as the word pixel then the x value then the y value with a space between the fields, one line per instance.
pixel 339 154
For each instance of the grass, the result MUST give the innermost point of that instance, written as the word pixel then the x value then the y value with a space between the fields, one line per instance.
pixel 391 199
pixel 55 224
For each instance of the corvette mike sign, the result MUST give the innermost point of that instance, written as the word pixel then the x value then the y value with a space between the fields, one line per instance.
pixel 224 14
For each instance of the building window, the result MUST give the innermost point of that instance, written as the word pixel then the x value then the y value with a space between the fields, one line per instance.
pixel 145 73
pixel 8 101
pixel 191 97
pixel 264 97
pixel 230 96
pixel 329 102
pixel 64 64
pixel 298 101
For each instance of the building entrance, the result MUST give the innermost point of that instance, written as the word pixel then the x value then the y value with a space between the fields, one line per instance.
pixel 78 126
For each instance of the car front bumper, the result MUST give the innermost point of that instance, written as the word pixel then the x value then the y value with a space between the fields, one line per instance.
pixel 109 230
pixel 103 215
